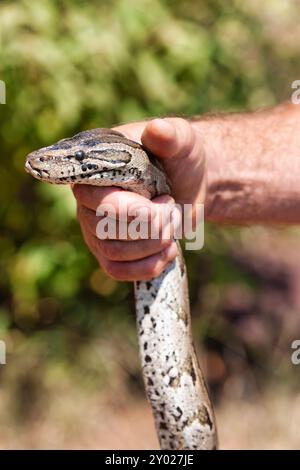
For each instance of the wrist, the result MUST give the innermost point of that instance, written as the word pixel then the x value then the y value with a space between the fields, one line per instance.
pixel 252 165
pixel 212 131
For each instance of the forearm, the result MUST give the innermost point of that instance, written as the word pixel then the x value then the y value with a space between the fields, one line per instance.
pixel 253 166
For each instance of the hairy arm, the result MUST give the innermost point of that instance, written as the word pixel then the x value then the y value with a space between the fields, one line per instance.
pixel 253 166
pixel 244 167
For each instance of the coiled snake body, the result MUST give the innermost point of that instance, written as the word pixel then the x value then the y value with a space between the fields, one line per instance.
pixel 173 379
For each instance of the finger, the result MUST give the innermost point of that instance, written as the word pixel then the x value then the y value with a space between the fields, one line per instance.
pixel 120 201
pixel 141 270
pixel 109 230
pixel 119 250
pixel 122 250
pixel 169 137
pixel 142 223
pixel 92 196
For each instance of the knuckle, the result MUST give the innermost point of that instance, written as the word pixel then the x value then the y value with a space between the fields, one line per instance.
pixel 187 137
pixel 165 243
pixel 182 122
pixel 84 215
pixel 81 192
pixel 154 270
pixel 164 257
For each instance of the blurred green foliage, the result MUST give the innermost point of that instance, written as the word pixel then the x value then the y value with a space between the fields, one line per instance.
pixel 73 65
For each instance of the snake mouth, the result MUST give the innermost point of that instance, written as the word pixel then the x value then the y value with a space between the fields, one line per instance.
pixel 37 172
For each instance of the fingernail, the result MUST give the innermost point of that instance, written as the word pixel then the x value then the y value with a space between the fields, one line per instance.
pixel 171 251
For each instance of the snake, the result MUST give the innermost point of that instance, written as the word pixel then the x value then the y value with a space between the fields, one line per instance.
pixel 174 382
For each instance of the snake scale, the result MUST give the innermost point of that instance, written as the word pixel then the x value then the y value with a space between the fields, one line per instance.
pixel 174 382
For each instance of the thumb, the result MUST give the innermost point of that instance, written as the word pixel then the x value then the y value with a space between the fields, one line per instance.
pixel 169 137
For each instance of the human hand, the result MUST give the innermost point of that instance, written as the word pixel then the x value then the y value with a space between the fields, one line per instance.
pixel 178 146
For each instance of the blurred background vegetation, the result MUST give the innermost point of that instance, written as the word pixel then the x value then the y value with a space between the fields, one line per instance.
pixel 72 377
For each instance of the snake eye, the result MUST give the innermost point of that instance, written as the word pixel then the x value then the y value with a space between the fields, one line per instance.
pixel 79 155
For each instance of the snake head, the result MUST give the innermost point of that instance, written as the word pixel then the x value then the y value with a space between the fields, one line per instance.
pixel 89 155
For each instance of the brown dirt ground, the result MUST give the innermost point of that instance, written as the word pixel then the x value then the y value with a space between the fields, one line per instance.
pixel 271 422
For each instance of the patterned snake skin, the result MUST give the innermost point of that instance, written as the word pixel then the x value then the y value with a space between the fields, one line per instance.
pixel 173 379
